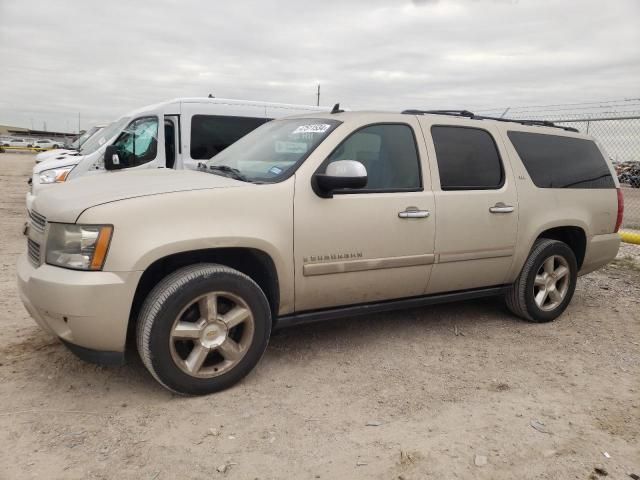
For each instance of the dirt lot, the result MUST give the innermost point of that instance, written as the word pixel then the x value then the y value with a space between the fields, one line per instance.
pixel 422 393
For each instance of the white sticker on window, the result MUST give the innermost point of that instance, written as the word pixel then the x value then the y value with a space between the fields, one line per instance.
pixel 291 147
pixel 312 128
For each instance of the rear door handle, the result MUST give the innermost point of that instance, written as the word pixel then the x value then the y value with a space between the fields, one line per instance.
pixel 413 212
pixel 501 208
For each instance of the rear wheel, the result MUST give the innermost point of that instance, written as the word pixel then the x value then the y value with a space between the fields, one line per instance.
pixel 546 283
pixel 203 328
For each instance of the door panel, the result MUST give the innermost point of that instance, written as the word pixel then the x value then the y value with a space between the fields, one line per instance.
pixel 475 229
pixel 355 248
pixel 363 247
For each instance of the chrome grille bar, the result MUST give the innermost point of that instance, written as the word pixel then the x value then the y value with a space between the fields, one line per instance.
pixel 33 250
pixel 38 222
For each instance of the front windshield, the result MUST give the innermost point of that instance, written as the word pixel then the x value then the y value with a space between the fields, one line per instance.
pixel 270 152
pixel 102 137
pixel 78 142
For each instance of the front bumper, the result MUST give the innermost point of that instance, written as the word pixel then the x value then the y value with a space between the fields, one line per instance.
pixel 89 310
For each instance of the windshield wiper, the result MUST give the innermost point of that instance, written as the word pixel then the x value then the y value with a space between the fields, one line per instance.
pixel 229 172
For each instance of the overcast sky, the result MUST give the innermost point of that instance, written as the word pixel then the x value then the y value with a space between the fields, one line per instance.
pixel 103 58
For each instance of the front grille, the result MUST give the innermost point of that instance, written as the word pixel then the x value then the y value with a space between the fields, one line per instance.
pixel 38 222
pixel 33 249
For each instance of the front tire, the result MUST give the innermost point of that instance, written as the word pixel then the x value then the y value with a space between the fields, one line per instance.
pixel 203 328
pixel 546 284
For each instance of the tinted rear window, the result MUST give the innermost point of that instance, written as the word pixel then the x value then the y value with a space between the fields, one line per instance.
pixel 467 158
pixel 553 161
pixel 210 134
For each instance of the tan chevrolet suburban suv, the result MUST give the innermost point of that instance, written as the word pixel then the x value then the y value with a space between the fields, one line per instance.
pixel 316 217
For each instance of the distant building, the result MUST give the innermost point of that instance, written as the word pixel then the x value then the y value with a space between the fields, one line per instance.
pixel 11 131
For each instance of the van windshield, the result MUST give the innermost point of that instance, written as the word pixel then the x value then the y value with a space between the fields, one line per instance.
pixel 78 142
pixel 102 137
pixel 272 151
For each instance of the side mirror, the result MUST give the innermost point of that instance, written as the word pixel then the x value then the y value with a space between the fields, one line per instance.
pixel 113 159
pixel 340 174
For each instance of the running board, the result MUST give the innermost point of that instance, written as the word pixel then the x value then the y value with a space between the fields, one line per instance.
pixel 386 306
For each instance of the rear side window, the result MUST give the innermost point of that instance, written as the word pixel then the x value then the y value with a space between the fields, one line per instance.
pixel 553 161
pixel 210 134
pixel 468 158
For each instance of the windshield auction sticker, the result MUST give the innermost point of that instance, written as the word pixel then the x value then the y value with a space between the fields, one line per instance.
pixel 313 128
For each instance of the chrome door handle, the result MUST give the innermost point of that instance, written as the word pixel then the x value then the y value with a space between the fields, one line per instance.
pixel 413 212
pixel 501 208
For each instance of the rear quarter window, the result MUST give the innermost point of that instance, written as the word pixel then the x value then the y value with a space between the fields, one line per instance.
pixel 554 161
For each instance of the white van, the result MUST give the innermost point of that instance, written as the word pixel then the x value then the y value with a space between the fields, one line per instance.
pixel 71 149
pixel 176 134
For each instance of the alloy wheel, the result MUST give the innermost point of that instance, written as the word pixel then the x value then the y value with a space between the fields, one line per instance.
pixel 551 283
pixel 211 334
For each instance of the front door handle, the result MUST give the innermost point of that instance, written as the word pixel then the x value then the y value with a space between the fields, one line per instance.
pixel 413 212
pixel 501 208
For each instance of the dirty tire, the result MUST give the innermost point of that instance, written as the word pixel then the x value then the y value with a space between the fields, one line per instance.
pixel 166 302
pixel 520 296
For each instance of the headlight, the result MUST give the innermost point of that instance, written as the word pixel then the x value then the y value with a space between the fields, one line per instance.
pixel 80 247
pixel 55 175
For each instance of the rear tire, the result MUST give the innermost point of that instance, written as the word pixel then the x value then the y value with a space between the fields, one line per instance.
pixel 203 328
pixel 546 284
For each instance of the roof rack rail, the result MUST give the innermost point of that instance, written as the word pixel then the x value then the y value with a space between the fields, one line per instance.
pixel 471 115
pixel 455 113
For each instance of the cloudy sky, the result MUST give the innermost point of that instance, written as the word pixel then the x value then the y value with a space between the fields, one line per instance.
pixel 103 58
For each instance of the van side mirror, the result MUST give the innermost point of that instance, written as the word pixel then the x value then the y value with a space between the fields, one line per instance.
pixel 340 174
pixel 113 158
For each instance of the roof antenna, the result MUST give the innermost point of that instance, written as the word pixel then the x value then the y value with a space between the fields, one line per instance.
pixel 336 109
pixel 211 96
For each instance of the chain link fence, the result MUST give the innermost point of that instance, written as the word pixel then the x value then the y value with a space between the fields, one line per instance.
pixel 616 126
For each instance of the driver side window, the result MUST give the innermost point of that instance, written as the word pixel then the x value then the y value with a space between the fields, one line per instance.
pixel 388 152
pixel 139 141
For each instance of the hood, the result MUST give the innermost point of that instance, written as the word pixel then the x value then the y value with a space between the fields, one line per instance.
pixel 66 201
pixel 57 161
pixel 42 156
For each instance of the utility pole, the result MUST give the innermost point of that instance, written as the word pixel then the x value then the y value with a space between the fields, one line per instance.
pixel 78 123
pixel 318 102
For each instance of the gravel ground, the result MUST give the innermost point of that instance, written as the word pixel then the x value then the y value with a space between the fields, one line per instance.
pixel 452 391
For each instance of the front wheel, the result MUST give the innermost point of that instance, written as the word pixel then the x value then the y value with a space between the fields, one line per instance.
pixel 203 328
pixel 546 283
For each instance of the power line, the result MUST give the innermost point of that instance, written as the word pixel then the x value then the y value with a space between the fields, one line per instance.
pixel 541 109
pixel 600 102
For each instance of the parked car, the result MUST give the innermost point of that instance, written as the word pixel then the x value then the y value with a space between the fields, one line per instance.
pixel 71 149
pixel 313 217
pixel 18 142
pixel 45 143
pixel 176 134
